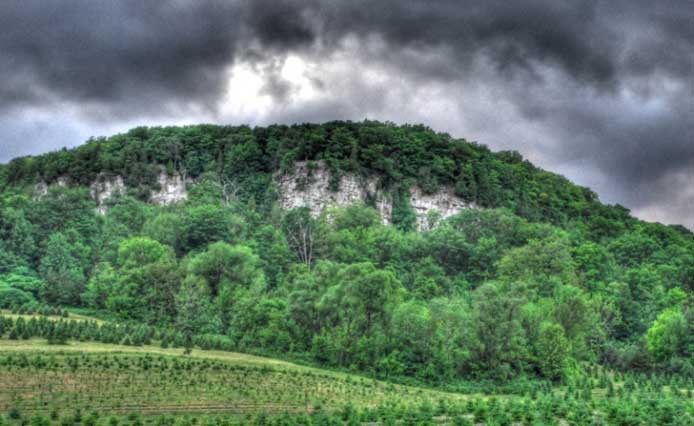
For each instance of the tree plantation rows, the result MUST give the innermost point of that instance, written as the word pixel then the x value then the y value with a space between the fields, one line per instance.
pixel 113 389
pixel 536 286
pixel 150 384
pixel 60 331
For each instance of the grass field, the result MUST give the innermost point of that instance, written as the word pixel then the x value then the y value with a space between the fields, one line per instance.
pixel 37 377
pixel 116 385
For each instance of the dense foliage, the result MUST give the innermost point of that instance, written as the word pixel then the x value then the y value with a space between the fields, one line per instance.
pixel 400 155
pixel 539 283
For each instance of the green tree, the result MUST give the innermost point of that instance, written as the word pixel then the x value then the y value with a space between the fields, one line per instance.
pixel 551 351
pixel 633 248
pixel 402 215
pixel 355 310
pixel 365 294
pixel 301 231
pixel 102 283
pixel 61 270
pixel 210 223
pixel 130 213
pixel 147 281
pixel 164 228
pixel 667 335
pixel 225 269
pixel 17 234
pixel 595 266
pixel 193 311
pixel 541 264
pixel 429 280
pixel 305 290
pixel 502 348
pixel 275 256
pixel 412 329
pixel 23 279
pixel 572 311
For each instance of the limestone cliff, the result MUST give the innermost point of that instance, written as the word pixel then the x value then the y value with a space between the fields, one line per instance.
pixel 310 187
pixel 104 188
pixel 307 185
pixel 172 189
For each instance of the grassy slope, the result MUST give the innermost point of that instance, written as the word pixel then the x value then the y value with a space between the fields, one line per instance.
pixel 146 379
pixel 152 380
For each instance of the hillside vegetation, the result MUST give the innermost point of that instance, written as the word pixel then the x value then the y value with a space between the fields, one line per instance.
pixel 40 378
pixel 400 156
pixel 539 284
pixel 104 384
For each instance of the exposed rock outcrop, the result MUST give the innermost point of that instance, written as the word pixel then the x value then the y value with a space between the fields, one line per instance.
pixel 444 202
pixel 41 188
pixel 104 188
pixel 306 186
pixel 310 187
pixel 173 189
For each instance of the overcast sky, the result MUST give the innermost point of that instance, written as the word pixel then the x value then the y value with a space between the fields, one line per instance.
pixel 599 91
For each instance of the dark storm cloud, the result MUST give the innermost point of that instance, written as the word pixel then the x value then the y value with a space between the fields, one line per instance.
pixel 515 35
pixel 117 51
pixel 283 24
pixel 638 144
pixel 612 81
pixel 127 54
pixel 124 53
pixel 608 83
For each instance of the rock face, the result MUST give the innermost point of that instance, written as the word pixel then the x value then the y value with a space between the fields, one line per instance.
pixel 306 187
pixel 173 189
pixel 104 188
pixel 41 188
pixel 310 188
pixel 444 202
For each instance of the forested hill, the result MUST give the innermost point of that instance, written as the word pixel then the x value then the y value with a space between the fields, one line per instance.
pixel 400 156
pixel 538 282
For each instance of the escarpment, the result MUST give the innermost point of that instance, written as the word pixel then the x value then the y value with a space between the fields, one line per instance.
pixel 307 185
pixel 311 187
